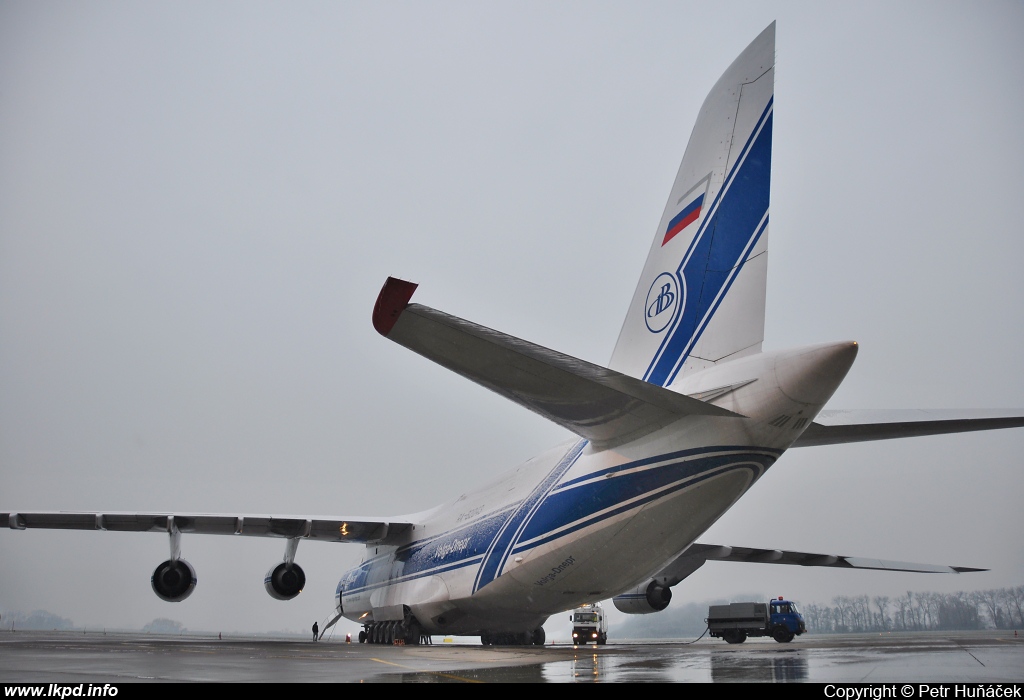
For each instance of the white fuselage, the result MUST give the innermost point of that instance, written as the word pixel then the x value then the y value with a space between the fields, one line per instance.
pixel 576 525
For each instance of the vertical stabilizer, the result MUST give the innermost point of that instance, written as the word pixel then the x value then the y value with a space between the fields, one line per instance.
pixel 700 299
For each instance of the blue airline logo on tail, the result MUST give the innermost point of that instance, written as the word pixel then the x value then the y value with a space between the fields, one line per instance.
pixel 662 300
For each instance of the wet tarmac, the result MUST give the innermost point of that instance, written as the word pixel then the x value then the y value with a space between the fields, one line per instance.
pixel 986 656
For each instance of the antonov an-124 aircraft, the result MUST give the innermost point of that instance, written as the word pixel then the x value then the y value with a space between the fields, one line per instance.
pixel 687 415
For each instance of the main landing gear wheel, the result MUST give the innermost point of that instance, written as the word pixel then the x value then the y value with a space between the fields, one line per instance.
pixel 782 635
pixel 413 632
pixel 735 636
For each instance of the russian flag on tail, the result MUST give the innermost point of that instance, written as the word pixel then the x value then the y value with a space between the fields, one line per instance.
pixel 693 201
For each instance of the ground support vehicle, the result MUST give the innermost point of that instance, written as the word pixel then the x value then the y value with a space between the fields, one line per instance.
pixel 734 622
pixel 589 625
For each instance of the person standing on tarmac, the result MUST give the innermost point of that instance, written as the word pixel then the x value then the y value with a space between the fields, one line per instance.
pixel 316 629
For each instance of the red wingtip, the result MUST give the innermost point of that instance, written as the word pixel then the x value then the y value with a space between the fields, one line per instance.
pixel 391 302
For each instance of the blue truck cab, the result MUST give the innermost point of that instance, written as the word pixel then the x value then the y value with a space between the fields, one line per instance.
pixel 785 615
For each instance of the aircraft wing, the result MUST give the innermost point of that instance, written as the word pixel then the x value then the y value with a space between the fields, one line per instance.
pixel 599 404
pixel 327 529
pixel 836 427
pixel 696 554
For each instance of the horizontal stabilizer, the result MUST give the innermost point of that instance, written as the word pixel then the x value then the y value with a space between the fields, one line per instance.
pixel 603 406
pixel 696 554
pixel 837 427
pixel 327 529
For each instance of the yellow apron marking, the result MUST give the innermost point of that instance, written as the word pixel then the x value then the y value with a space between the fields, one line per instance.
pixel 436 673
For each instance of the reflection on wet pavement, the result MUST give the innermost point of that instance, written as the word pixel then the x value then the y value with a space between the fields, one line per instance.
pixel 982 656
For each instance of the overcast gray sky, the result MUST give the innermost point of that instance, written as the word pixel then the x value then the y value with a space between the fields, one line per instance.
pixel 199 203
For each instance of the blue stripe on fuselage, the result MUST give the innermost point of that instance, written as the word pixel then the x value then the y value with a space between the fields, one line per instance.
pixel 693 452
pixel 612 495
pixel 565 509
pixel 501 546
pixel 453 549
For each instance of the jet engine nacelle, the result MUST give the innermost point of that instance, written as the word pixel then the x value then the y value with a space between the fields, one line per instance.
pixel 646 598
pixel 284 581
pixel 174 580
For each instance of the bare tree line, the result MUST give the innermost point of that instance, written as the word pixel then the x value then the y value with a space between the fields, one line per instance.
pixel 1001 608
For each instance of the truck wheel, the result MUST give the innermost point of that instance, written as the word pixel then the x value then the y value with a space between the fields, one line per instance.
pixel 734 636
pixel 602 639
pixel 782 635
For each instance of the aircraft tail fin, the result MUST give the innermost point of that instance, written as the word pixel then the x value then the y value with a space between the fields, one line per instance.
pixel 700 298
